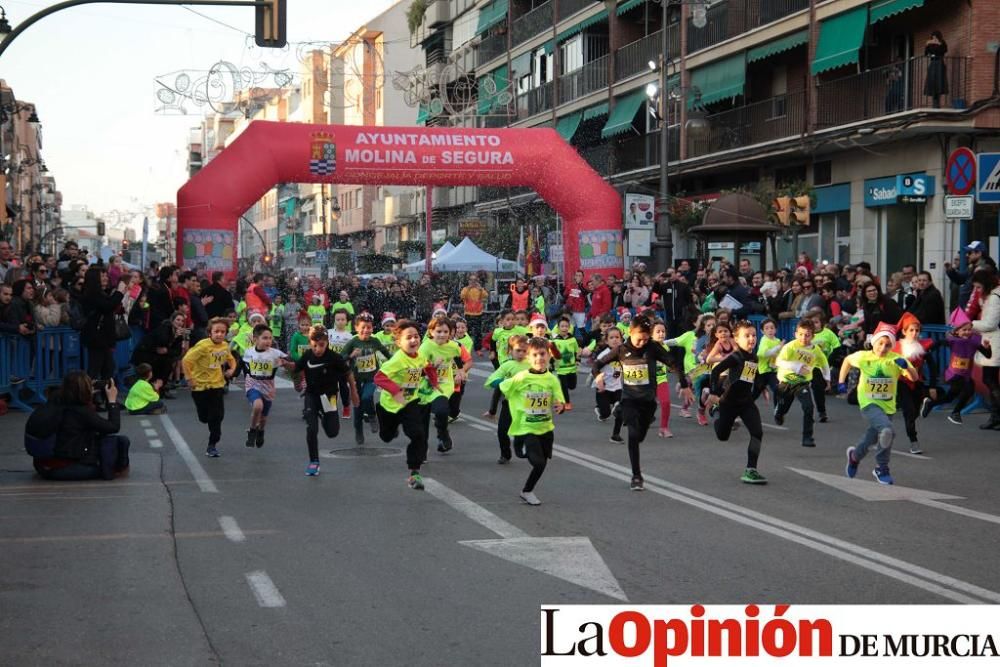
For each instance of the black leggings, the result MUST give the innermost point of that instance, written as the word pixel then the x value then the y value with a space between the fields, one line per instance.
pixel 606 401
pixel 909 401
pixel 960 390
pixel 503 426
pixel 750 416
pixel 819 391
pixel 100 362
pixel 991 378
pixel 314 417
pixel 411 418
pixel 211 408
pixel 637 416
pixel 567 382
pixel 786 396
pixel 441 410
pixel 539 450
pixel 455 402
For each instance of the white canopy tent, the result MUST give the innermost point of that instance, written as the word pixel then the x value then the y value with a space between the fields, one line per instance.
pixel 441 252
pixel 467 256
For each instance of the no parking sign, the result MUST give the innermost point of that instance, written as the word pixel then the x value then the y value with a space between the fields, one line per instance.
pixel 960 173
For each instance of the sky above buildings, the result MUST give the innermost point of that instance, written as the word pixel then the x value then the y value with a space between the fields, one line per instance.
pixel 91 71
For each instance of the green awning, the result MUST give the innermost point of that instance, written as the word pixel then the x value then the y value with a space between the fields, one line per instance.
pixel 596 111
pixel 840 39
pixel 491 15
pixel 422 114
pixel 780 45
pixel 583 25
pixel 627 5
pixel 502 80
pixel 549 47
pixel 292 242
pixel 723 79
pixel 289 206
pixel 883 9
pixel 567 125
pixel 620 120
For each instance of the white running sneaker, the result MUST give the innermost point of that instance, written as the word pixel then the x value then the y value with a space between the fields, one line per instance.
pixel 530 498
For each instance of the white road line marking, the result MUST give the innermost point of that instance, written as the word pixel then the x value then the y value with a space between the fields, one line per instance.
pixel 151 433
pixel 900 452
pixel 231 529
pixel 264 590
pixel 477 513
pixel 957 509
pixel 156 443
pixel 895 568
pixel 201 477
pixel 482 428
pixel 145 423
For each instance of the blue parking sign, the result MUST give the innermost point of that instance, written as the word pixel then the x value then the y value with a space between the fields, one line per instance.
pixel 988 178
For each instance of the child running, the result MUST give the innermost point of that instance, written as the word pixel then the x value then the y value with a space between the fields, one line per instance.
pixel 324 370
pixel 638 357
pixel 363 352
pixel 533 395
pixel 795 363
pixel 399 405
pixel 566 361
pixel 767 352
pixel 340 335
pixel 964 344
pixel 440 351
pixel 464 361
pixel 207 366
pixel 517 349
pixel 737 400
pixel 385 335
pixel 499 345
pixel 662 383
pixel 880 370
pixel 261 363
pixel 608 394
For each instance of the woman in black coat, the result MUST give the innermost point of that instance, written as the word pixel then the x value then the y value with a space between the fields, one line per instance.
pixel 161 347
pixel 98 334
pixel 86 444
pixel 878 308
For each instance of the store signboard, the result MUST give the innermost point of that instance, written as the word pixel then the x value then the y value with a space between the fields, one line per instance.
pixel 640 211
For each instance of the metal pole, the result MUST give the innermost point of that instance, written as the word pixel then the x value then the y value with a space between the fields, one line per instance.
pixel 429 197
pixel 663 251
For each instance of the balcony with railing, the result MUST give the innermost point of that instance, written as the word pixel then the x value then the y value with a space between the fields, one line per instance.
pixel 598 157
pixel 634 58
pixel 534 101
pixel 492 46
pixel 569 7
pixel 633 152
pixel 585 80
pixel 892 89
pixel 779 117
pixel 735 17
pixel 531 24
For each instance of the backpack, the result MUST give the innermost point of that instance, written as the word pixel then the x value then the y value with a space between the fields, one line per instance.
pixel 41 429
pixel 77 320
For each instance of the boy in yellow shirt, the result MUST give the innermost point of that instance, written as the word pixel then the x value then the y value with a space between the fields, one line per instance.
pixel 207 366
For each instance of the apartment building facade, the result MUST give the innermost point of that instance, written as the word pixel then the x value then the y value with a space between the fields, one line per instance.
pixel 838 95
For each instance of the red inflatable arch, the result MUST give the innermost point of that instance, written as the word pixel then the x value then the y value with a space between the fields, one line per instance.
pixel 268 153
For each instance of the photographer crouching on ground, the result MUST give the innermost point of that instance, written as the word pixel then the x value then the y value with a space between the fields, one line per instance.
pixel 69 440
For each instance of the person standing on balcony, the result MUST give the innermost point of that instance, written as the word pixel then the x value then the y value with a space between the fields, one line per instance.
pixel 936 83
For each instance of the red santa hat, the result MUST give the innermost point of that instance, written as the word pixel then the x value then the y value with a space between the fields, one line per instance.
pixel 388 317
pixel 884 329
pixel 623 312
pixel 538 318
pixel 906 320
pixel 439 308
pixel 959 318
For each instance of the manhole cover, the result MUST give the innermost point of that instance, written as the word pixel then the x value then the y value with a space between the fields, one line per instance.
pixel 354 452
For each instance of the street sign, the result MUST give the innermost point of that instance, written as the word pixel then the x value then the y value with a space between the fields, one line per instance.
pixel 988 171
pixel 959 207
pixel 960 172
pixel 322 257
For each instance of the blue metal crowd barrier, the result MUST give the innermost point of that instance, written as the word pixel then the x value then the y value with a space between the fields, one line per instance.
pixel 31 364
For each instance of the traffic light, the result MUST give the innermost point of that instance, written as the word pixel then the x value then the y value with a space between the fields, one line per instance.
pixel 270 24
pixel 782 207
pixel 100 228
pixel 799 210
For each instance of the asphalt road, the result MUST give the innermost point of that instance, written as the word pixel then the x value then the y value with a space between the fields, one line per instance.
pixel 243 560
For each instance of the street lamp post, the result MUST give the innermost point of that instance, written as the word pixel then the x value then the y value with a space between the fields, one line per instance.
pixel 663 246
